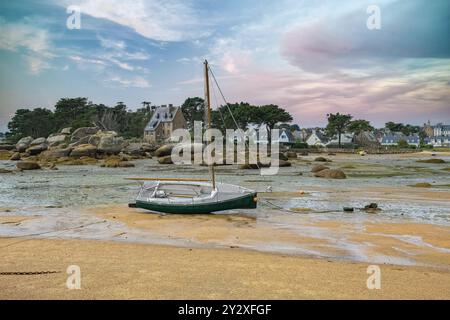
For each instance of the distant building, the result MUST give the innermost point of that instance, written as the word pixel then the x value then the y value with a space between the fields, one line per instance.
pixel 395 138
pixel 317 139
pixel 428 129
pixel 440 141
pixel 441 130
pixel 346 140
pixel 164 121
pixel 413 140
pixel 438 135
pixel 392 139
pixel 286 136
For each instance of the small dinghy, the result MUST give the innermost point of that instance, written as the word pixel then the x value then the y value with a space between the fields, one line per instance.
pixel 185 196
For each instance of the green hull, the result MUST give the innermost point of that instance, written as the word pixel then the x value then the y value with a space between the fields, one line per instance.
pixel 245 202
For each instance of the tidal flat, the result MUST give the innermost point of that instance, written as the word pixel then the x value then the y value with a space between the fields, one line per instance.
pixel 300 216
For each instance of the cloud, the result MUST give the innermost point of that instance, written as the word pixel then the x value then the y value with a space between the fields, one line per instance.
pixel 409 29
pixel 111 44
pixel 29 39
pixel 161 20
pixel 136 82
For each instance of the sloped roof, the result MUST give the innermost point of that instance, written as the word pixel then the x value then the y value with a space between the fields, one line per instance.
pixel 288 134
pixel 162 114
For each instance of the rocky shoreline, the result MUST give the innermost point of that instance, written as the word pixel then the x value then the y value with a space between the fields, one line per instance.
pixel 91 146
pixel 83 146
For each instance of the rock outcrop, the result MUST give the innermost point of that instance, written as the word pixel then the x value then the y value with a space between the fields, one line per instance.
pixel 54 154
pixel 84 150
pixel 15 157
pixel 23 144
pixel 38 141
pixel 56 139
pixel 82 133
pixel 134 149
pixel 117 162
pixel 291 155
pixel 36 149
pixel 331 174
pixel 66 131
pixel 283 164
pixel 28 165
pixel 109 143
pixel 319 168
pixel 322 159
pixel 164 151
pixel 165 160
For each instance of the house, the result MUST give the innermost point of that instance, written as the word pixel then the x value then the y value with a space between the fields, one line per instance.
pixel 440 141
pixel 286 136
pixel 441 130
pixel 164 121
pixel 317 139
pixel 395 138
pixel 392 139
pixel 413 140
pixel 346 139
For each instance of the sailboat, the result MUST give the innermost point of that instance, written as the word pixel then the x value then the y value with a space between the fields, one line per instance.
pixel 185 196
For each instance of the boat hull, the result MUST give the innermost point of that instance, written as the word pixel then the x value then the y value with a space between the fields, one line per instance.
pixel 248 201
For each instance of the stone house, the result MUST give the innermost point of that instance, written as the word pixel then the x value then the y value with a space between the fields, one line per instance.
pixel 164 121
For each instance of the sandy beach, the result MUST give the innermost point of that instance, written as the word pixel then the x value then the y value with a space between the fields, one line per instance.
pixel 132 271
pixel 298 244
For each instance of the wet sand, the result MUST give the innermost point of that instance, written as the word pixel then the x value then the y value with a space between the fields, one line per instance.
pixel 385 242
pixel 306 249
pixel 134 271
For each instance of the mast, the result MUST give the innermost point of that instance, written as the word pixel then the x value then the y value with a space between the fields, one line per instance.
pixel 208 117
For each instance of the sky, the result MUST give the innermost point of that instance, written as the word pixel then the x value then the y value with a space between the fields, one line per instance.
pixel 311 57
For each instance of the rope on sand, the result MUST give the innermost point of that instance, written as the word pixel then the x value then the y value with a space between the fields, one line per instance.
pixel 277 207
pixel 48 232
pixel 38 273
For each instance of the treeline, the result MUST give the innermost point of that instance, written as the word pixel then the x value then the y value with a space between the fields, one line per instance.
pixel 235 115
pixel 80 112
pixel 77 113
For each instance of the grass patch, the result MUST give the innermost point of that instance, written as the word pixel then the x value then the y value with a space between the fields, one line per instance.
pixel 422 185
pixel 432 161
pixel 348 167
pixel 446 169
pixel 441 149
pixel 5 155
pixel 378 175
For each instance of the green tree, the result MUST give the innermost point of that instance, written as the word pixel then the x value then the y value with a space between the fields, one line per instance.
pixel 193 110
pixel 358 126
pixel 394 127
pixel 338 124
pixel 75 113
pixel 409 130
pixel 36 123
pixel 137 121
pixel 403 144
pixel 270 115
pixel 225 116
